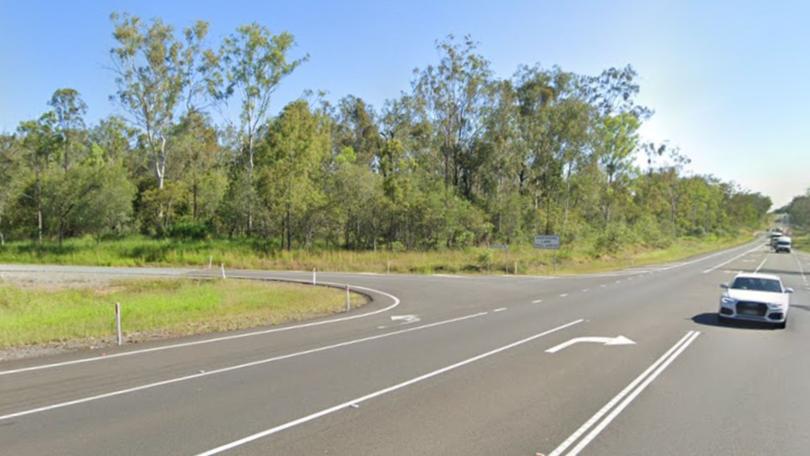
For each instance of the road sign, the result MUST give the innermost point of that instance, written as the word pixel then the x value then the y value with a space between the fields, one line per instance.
pixel 550 241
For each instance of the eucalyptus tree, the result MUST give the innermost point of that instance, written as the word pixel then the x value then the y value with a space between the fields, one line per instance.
pixel 154 72
pixel 251 64
pixel 39 141
pixel 453 96
pixel 69 109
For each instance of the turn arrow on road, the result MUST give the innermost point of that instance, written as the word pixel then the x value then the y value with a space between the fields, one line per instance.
pixel 618 340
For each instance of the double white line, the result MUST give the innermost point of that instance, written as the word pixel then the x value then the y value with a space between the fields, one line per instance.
pixel 612 409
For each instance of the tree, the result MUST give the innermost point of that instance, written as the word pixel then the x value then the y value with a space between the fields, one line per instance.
pixel 452 96
pixel 153 68
pixel 70 109
pixel 39 141
pixel 251 63
pixel 298 143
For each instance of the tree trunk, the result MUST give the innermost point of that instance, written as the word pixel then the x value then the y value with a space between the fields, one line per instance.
pixel 39 205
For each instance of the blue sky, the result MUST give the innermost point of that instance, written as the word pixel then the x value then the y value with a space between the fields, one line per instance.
pixel 727 80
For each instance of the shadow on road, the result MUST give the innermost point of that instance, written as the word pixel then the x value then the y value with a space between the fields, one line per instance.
pixel 710 319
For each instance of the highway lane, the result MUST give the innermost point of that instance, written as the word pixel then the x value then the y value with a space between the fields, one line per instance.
pixel 520 400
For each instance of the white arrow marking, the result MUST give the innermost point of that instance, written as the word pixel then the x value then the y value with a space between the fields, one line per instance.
pixel 405 319
pixel 620 340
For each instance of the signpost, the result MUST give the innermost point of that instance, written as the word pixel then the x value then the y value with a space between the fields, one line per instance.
pixel 548 242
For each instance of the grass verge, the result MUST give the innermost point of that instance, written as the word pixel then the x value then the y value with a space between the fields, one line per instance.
pixel 252 254
pixel 156 308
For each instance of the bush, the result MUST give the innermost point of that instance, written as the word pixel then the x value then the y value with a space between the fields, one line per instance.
pixel 189 231
pixel 612 239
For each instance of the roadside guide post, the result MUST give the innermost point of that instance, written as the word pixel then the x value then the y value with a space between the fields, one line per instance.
pixel 119 336
pixel 348 298
pixel 548 242
pixel 314 277
pixel 222 269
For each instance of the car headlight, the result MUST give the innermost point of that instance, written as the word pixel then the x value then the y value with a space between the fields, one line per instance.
pixel 725 300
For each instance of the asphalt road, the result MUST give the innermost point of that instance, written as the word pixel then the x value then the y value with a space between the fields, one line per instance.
pixel 445 365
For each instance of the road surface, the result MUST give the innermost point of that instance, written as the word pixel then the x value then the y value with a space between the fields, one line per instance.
pixel 626 363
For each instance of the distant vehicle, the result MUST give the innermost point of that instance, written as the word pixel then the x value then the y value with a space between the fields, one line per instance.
pixel 755 297
pixel 773 235
pixel 782 244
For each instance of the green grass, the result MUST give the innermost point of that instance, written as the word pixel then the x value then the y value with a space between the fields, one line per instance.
pixel 801 240
pixel 247 254
pixel 156 308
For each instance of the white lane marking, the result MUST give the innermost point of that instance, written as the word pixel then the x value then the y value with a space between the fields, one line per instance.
pixel 618 281
pixel 449 276
pixel 369 273
pixel 585 290
pixel 618 340
pixel 537 301
pixel 717 266
pixel 562 295
pixel 223 338
pixel 622 394
pixel 761 264
pixel 233 368
pixel 801 269
pixel 604 285
pixel 406 319
pixel 616 411
pixel 500 309
pixel 378 393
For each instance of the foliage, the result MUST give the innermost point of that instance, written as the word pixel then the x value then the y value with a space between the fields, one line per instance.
pixel 461 160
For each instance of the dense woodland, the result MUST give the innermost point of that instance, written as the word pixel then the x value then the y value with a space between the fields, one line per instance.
pixel 461 157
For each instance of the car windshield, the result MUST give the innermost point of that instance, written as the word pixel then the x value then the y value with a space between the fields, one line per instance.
pixel 756 284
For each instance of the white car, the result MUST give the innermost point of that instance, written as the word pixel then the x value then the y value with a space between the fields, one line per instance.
pixel 782 244
pixel 755 297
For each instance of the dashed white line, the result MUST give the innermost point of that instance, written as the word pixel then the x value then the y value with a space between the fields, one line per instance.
pixel 378 393
pixel 717 266
pixel 233 368
pixel 585 290
pixel 761 264
pixel 499 309
pixel 537 301
pixel 562 295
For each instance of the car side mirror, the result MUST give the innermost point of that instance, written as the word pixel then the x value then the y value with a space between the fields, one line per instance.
pixel 724 286
pixel 788 290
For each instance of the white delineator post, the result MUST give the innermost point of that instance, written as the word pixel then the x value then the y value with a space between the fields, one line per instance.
pixel 348 298
pixel 314 277
pixel 118 334
pixel 222 269
pixel 210 261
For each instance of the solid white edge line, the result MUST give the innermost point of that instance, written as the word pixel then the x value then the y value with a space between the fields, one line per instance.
pixel 598 415
pixel 616 411
pixel 222 338
pixel 499 309
pixel 801 268
pixel 758 246
pixel 381 392
pixel 233 368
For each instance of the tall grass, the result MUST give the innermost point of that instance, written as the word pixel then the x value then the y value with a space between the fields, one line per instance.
pixel 254 254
